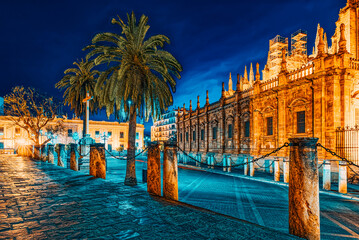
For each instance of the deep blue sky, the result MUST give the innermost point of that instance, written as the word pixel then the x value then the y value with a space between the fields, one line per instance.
pixel 40 39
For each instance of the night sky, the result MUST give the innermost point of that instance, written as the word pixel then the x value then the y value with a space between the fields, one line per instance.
pixel 40 39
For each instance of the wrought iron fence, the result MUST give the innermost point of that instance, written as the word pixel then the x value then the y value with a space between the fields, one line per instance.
pixel 347 143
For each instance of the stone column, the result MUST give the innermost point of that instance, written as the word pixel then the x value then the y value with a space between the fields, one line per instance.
pixel 286 170
pixel 343 177
pixel 276 170
pixel 98 160
pixel 304 220
pixel 50 153
pixel 170 172
pixel 326 175
pixel 246 161
pixel 154 170
pixel 251 166
pixel 61 156
pixel 73 157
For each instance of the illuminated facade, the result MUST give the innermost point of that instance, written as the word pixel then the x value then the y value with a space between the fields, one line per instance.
pixel 165 127
pixel 113 134
pixel 296 96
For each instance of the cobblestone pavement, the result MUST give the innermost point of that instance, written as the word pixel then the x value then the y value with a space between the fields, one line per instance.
pixel 42 201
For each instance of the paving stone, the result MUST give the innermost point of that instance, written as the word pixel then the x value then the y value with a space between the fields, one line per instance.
pixel 43 201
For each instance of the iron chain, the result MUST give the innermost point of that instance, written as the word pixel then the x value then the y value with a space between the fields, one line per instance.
pixel 237 165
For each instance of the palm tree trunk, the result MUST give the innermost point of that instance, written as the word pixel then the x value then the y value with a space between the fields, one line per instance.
pixel 130 178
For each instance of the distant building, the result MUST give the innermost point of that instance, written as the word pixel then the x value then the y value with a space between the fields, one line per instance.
pixel 165 127
pixel 113 134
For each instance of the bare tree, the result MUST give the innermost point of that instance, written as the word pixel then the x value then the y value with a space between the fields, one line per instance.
pixel 32 111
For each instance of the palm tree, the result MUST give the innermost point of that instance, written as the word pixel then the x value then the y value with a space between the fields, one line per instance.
pixel 139 80
pixel 77 82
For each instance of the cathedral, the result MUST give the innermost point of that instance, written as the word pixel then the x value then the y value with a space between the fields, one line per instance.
pixel 298 95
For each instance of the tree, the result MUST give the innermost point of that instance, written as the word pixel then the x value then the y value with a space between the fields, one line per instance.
pixel 77 82
pixel 139 80
pixel 32 111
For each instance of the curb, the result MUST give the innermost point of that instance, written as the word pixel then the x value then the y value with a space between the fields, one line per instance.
pixel 259 179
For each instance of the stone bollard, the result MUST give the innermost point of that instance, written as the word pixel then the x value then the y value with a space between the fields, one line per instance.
pixel 326 175
pixel 73 157
pixel 198 158
pixel 229 169
pixel 170 172
pixel 267 164
pixel 224 161
pixel 304 220
pixel 50 153
pixel 271 166
pixel 61 156
pixel 154 169
pixel 343 177
pixel 212 162
pixel 276 170
pixel 251 166
pixel 98 160
pixel 246 167
pixel 286 170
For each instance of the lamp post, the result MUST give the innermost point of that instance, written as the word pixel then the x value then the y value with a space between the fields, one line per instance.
pixel 86 138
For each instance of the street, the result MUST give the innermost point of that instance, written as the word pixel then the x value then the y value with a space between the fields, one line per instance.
pixel 257 202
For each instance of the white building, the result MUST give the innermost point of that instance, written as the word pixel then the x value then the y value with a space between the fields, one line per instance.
pixel 165 127
pixel 113 134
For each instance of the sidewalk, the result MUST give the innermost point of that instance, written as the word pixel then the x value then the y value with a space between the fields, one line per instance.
pixel 353 189
pixel 42 201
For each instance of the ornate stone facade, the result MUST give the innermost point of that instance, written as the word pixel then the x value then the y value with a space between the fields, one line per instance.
pixel 298 96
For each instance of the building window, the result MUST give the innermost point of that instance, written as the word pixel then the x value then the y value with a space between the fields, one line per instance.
pixel 17 131
pixel 194 136
pixel 181 136
pixel 301 122
pixel 230 131
pixel 202 134
pixel 186 136
pixel 269 126
pixel 1 131
pixel 97 134
pixel 137 135
pixel 109 134
pixel 246 129
pixel 69 132
pixel 121 134
pixel 214 130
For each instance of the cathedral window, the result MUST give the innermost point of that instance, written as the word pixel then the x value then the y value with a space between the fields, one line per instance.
pixel 230 131
pixel 181 137
pixel 269 126
pixel 194 136
pixel 186 136
pixel 214 130
pixel 246 129
pixel 202 134
pixel 301 122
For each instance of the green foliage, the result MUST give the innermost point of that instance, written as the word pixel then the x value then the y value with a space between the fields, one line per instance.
pixel 141 75
pixel 77 82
